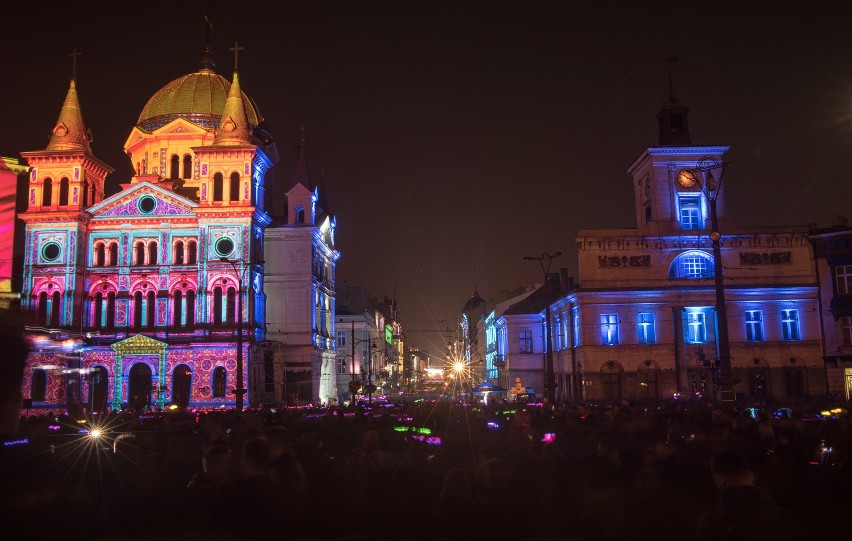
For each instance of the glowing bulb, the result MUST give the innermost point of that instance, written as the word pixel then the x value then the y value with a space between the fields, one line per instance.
pixel 95 434
pixel 458 367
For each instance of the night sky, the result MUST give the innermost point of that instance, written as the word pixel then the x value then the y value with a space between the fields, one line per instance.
pixel 458 137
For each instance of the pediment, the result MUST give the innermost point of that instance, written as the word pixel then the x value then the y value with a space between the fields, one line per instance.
pixel 180 126
pixel 144 200
pixel 139 344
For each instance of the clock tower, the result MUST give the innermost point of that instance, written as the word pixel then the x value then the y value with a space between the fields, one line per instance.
pixel 667 184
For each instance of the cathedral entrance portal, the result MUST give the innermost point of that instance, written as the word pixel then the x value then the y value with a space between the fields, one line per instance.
pixel 139 387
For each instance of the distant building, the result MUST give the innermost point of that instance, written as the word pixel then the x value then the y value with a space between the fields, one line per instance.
pixel 10 170
pixel 833 256
pixel 301 260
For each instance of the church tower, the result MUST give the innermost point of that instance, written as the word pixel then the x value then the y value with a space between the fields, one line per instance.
pixel 65 179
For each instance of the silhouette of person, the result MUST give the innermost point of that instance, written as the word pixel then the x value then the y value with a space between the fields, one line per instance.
pixel 744 511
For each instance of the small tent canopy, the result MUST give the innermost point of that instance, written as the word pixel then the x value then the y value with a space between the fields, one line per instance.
pixel 488 387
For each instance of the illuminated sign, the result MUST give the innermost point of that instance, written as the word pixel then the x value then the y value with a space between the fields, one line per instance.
pixel 389 334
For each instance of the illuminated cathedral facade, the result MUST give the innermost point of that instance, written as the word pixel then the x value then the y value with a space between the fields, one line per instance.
pixel 154 295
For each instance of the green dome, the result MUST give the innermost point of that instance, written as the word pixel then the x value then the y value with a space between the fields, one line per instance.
pixel 198 97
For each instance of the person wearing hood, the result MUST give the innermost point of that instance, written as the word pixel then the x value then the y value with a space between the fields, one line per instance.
pixel 744 511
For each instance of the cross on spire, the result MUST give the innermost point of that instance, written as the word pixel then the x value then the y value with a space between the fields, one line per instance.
pixel 74 54
pixel 208 26
pixel 236 48
pixel 671 60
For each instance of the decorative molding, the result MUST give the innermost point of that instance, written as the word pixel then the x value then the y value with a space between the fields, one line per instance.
pixel 765 258
pixel 613 261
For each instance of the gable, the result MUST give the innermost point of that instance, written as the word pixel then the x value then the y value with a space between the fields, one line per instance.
pixel 144 200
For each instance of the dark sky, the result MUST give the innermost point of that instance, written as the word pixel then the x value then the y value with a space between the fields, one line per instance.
pixel 458 137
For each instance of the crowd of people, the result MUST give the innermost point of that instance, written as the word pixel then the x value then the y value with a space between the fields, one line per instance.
pixel 431 470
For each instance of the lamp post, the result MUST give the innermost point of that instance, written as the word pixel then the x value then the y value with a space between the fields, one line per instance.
pixel 709 174
pixel 353 384
pixel 240 391
pixel 544 261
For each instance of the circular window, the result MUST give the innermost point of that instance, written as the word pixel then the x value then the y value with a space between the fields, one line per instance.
pixel 224 246
pixel 147 204
pixel 50 251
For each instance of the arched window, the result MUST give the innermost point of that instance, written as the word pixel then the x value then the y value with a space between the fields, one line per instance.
pixel 110 310
pixel 149 307
pixel 174 171
pixel 42 308
pixel 178 256
pixel 112 254
pixel 47 192
pixel 177 308
pixel 152 253
pixel 139 253
pixel 38 392
pixel 193 253
pixel 235 186
pixel 137 309
pixel 190 308
pixel 85 193
pixel 187 166
pixel 217 305
pixel 300 214
pixel 98 310
pixel 63 191
pixel 54 310
pixel 692 265
pixel 231 310
pixel 218 187
pixel 219 381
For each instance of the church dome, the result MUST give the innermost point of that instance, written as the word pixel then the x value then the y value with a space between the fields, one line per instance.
pixel 473 303
pixel 198 97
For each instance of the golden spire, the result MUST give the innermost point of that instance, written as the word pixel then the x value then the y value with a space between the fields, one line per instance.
pixel 70 132
pixel 234 128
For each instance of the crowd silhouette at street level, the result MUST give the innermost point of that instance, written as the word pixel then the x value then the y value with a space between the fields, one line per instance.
pixel 430 470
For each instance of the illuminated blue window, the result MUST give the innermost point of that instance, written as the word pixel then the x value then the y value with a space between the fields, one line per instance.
pixel 695 329
pixel 609 329
pixel 341 338
pixel 556 338
pixel 754 325
pixel 645 328
pixel 790 324
pixel 692 265
pixel 690 212
pixel 576 333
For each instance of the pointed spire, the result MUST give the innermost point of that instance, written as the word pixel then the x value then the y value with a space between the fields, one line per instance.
pixel 234 128
pixel 300 175
pixel 70 131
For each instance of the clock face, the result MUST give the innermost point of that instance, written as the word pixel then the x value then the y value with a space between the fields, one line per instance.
pixel 686 178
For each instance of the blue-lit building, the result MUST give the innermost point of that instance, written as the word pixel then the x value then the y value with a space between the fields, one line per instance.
pixel 641 321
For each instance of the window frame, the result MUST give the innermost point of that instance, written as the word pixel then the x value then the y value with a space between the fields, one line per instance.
pixel 609 329
pixel 754 325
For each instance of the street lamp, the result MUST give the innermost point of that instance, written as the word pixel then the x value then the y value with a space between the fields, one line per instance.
pixel 544 261
pixel 709 174
pixel 240 391
pixel 353 385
